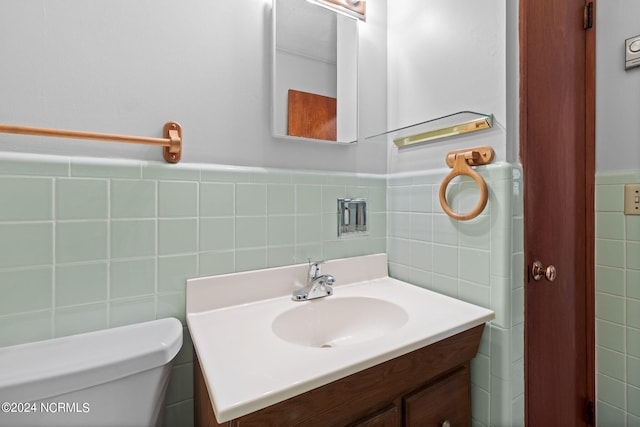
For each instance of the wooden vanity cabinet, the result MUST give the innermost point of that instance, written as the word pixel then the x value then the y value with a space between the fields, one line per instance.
pixel 426 387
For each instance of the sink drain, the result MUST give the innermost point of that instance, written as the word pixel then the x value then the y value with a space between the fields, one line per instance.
pixel 326 346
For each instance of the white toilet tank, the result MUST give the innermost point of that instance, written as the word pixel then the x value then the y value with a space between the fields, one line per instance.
pixel 115 377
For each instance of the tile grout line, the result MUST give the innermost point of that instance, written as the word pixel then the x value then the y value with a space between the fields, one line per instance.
pixel 108 272
pixel 53 257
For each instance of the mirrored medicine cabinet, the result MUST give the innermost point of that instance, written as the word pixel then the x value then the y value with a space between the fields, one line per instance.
pixel 315 73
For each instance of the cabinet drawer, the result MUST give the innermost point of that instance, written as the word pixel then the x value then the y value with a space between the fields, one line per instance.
pixel 388 417
pixel 448 399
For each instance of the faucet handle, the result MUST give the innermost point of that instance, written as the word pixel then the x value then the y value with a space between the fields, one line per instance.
pixel 314 268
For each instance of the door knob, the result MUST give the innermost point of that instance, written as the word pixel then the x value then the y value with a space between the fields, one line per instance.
pixel 538 271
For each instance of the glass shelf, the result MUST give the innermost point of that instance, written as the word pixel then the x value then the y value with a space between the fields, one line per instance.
pixel 443 127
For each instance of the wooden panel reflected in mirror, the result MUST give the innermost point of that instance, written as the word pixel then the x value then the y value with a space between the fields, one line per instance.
pixel 311 115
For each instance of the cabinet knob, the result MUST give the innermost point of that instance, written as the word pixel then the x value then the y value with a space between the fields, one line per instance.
pixel 445 423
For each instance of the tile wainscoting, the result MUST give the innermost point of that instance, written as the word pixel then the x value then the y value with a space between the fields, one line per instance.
pixel 617 303
pixel 479 261
pixel 88 244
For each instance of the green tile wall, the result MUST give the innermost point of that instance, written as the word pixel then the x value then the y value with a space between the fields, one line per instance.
pixel 37 207
pixel 87 244
pixel 25 243
pixel 479 261
pixel 617 303
pixel 81 198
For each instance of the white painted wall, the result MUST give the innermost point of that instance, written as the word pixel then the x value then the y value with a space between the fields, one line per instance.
pixel 617 90
pixel 128 67
pixel 446 57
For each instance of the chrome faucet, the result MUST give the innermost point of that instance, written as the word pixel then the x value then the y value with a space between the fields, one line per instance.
pixel 318 285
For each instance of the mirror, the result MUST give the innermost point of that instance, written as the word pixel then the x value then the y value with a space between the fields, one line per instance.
pixel 315 73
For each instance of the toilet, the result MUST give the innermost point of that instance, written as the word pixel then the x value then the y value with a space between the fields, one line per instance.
pixel 113 377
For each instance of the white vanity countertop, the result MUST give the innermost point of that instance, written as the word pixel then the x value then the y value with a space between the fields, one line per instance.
pixel 247 367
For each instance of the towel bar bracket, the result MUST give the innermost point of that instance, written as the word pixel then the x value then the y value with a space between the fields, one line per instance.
pixel 473 156
pixel 173 152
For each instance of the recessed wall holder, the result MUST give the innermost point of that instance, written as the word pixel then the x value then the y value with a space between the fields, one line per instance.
pixel 352 217
pixel 461 162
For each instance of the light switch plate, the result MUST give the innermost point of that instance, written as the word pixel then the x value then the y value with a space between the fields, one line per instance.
pixel 632 199
pixel 632 52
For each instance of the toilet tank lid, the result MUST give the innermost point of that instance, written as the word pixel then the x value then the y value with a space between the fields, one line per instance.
pixel 52 367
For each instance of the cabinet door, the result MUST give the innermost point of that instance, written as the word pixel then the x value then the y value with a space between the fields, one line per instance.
pixel 388 417
pixel 448 399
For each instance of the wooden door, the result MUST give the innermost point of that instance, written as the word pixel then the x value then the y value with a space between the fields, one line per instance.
pixel 557 150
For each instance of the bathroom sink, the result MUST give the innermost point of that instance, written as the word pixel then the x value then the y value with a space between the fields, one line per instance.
pixel 256 346
pixel 334 321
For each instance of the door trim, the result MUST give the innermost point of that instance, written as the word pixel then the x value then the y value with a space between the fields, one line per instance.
pixel 590 208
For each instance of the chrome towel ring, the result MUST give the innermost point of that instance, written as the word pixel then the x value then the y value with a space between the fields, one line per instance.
pixel 461 162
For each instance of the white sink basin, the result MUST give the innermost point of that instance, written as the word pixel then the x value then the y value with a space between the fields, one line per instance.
pixel 334 321
pixel 256 346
